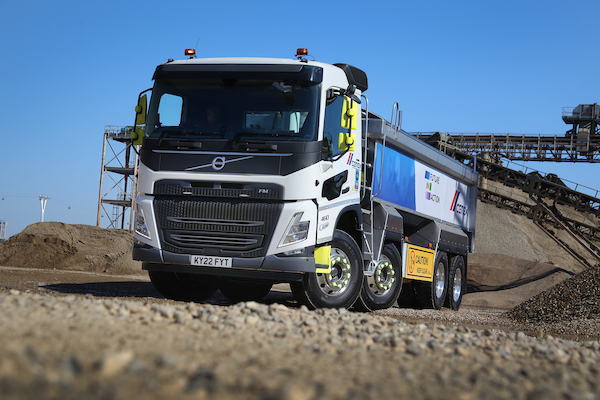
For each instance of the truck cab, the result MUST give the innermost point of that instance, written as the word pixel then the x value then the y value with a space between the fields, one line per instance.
pixel 247 167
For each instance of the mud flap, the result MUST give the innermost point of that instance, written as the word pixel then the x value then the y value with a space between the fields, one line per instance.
pixel 323 259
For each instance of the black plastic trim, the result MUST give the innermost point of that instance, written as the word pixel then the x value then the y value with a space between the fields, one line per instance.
pixel 270 263
pixel 293 157
pixel 355 76
pixel 238 71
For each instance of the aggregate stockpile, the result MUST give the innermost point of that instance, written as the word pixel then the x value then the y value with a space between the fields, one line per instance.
pixel 256 171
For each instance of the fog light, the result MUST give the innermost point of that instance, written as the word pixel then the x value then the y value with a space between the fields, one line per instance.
pixel 293 252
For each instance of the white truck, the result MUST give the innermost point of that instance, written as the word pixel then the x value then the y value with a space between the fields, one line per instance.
pixel 255 171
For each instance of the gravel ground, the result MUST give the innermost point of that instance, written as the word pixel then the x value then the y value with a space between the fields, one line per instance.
pixel 81 346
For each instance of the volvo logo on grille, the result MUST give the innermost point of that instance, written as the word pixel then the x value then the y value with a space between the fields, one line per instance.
pixel 218 163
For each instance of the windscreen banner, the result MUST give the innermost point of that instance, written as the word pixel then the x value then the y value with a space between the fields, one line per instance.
pixel 409 183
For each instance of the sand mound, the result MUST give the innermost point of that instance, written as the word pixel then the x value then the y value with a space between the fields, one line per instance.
pixel 56 245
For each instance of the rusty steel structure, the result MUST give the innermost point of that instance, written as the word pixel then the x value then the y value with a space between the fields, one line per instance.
pixel 117 178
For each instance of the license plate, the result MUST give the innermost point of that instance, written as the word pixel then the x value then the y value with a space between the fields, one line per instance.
pixel 211 261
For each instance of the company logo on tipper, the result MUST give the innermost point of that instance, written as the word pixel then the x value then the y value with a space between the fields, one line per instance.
pixel 456 207
pixel 431 179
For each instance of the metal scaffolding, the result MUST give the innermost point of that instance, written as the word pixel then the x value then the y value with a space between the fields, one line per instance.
pixel 119 169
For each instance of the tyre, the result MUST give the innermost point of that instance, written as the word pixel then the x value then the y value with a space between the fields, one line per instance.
pixel 433 294
pixel 457 282
pixel 244 290
pixel 185 287
pixel 340 287
pixel 407 295
pixel 300 295
pixel 383 288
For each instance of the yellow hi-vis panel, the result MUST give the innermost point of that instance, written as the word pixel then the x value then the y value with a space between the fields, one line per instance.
pixel 140 110
pixel 323 259
pixel 419 263
pixel 346 141
pixel 349 113
pixel 137 135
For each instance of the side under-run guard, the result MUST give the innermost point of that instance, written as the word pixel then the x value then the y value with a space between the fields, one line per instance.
pixel 323 259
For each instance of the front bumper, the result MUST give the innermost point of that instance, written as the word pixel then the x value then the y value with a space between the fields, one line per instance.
pixel 271 263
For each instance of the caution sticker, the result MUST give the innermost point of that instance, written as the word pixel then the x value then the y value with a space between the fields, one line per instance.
pixel 419 263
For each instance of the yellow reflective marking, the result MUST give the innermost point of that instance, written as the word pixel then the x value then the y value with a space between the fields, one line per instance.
pixel 323 259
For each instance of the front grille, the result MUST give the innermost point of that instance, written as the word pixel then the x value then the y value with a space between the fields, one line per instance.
pixel 216 226
pixel 248 190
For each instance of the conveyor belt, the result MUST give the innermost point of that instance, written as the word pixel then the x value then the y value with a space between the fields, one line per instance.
pixel 525 148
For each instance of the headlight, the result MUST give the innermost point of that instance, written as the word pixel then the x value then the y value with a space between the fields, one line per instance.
pixel 139 222
pixel 297 230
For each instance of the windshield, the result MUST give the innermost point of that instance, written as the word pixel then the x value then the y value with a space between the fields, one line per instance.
pixel 248 109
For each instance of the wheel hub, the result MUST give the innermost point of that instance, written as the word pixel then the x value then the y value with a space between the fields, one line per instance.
pixel 336 281
pixel 457 290
pixel 383 278
pixel 440 280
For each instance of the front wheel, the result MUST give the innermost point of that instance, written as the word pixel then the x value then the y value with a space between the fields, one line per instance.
pixel 341 286
pixel 185 287
pixel 433 294
pixel 381 290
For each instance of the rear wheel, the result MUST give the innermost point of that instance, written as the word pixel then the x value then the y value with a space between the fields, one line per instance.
pixel 433 294
pixel 341 286
pixel 457 282
pixel 244 290
pixel 383 288
pixel 185 287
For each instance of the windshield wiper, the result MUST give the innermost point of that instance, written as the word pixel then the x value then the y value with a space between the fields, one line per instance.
pixel 164 135
pixel 263 134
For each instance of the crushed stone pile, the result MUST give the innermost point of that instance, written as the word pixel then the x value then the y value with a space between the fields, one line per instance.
pixel 574 298
pixel 55 245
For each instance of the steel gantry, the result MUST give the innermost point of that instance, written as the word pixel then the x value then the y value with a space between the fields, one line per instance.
pixel 119 169
pixel 581 143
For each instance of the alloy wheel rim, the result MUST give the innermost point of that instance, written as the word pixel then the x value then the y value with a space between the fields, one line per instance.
pixel 336 281
pixel 440 276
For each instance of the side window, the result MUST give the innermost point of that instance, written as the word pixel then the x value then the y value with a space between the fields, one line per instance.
pixel 333 126
pixel 169 110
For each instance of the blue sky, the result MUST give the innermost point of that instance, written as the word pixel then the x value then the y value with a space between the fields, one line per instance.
pixel 70 67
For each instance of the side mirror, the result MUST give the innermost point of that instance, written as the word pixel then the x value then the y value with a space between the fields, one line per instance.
pixel 346 141
pixel 140 110
pixel 140 119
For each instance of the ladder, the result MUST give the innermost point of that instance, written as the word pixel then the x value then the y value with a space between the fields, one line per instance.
pixel 372 247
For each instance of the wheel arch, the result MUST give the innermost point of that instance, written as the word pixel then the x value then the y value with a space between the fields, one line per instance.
pixel 350 221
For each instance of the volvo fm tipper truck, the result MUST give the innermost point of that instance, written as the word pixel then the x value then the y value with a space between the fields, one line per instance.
pixel 255 171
